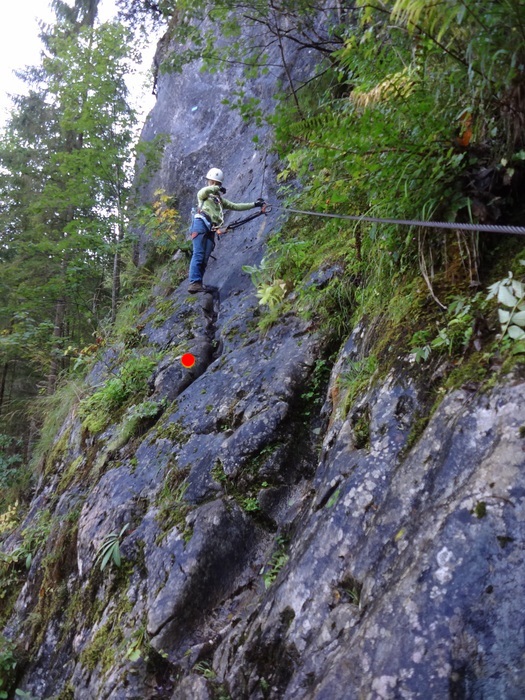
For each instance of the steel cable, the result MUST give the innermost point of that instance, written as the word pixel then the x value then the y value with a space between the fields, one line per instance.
pixel 481 228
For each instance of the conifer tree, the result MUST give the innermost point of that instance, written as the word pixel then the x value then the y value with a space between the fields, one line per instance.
pixel 65 174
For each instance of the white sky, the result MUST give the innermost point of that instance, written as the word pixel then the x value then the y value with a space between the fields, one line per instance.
pixel 20 46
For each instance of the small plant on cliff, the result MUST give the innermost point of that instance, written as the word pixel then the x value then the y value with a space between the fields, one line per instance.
pixel 510 293
pixel 270 290
pixel 272 294
pixel 204 669
pixel 139 417
pixel 251 504
pixel 24 695
pixel 278 559
pixel 351 590
pixel 109 550
pixel 7 666
pixel 456 334
pixel 98 409
pixel 10 565
pixel 356 378
pixel 9 518
pixel 15 564
pixel 313 396
pixel 173 508
pixel 137 645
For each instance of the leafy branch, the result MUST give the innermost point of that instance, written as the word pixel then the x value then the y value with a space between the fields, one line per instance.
pixel 511 294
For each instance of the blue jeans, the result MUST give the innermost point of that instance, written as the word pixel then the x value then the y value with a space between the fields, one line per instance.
pixel 203 246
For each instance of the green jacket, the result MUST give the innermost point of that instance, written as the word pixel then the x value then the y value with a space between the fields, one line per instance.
pixel 212 203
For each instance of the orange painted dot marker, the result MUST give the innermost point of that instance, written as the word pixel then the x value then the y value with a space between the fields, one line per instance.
pixel 188 360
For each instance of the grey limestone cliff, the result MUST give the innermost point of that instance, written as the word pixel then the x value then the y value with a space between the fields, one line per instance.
pixel 277 546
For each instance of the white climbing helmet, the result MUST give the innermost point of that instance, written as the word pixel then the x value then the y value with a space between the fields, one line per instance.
pixel 215 174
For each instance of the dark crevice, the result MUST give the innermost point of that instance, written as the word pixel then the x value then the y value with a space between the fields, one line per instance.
pixel 324 500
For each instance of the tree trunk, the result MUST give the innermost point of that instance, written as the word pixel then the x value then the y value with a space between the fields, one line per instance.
pixel 60 312
pixel 3 383
pixel 115 290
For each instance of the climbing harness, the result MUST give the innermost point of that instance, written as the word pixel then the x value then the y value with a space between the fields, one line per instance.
pixel 486 228
pixel 265 209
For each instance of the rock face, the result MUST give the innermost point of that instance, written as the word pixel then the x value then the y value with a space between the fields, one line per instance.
pixel 407 576
pixel 273 546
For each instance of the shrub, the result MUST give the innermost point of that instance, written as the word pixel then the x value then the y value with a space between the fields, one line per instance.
pixel 100 408
pixel 7 666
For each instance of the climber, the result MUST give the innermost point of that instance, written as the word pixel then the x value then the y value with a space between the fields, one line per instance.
pixel 205 222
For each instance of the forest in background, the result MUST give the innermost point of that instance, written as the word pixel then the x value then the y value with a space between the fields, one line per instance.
pixel 66 156
pixel 417 111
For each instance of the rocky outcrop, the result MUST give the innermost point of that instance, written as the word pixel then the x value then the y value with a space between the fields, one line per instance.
pixel 405 575
pixel 277 540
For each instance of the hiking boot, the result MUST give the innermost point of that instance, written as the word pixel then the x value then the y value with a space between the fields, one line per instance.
pixel 196 287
